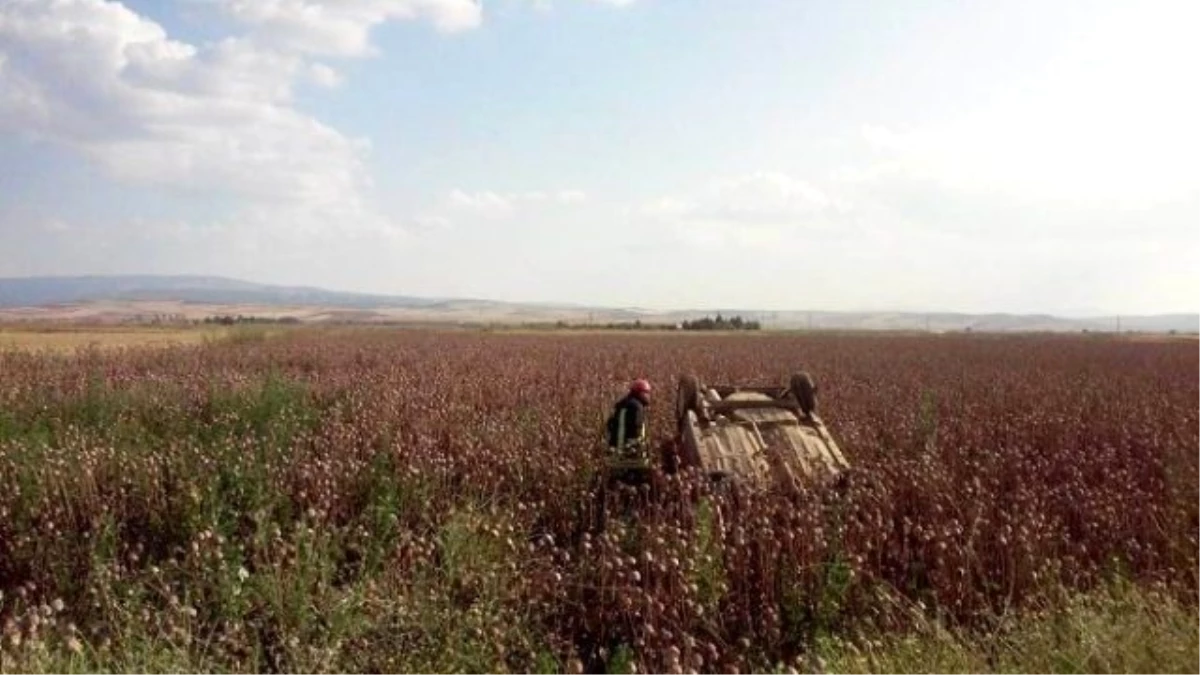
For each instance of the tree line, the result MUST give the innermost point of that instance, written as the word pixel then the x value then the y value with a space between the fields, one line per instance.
pixel 721 323
pixel 230 320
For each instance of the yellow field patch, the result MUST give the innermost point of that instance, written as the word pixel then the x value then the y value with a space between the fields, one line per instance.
pixel 58 338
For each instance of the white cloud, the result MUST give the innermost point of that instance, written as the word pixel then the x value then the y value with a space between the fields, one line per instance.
pixel 1107 121
pixel 568 196
pixel 110 84
pixel 487 204
pixel 98 78
pixel 286 245
pixel 761 201
pixel 754 210
pixel 882 138
pixel 546 5
pixel 491 205
pixel 762 197
pixel 324 76
pixel 767 195
pixel 342 27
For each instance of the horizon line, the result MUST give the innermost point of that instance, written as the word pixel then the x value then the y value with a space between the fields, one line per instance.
pixel 564 304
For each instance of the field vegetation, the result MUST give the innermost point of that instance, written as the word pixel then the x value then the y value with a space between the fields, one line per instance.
pixel 384 500
pixel 67 338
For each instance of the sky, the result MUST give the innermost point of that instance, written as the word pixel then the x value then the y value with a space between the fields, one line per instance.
pixel 1017 156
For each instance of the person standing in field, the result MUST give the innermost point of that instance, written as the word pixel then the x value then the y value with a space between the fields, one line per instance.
pixel 627 428
pixel 628 462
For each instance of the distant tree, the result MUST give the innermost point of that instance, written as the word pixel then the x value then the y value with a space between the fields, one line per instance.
pixel 721 323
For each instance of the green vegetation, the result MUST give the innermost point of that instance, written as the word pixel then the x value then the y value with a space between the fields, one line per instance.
pixel 721 323
pixel 230 320
pixel 1118 628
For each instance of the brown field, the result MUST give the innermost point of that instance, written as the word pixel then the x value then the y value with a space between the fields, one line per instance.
pixel 376 500
pixel 61 338
pixel 118 312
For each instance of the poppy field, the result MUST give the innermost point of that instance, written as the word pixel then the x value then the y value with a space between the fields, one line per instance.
pixel 412 500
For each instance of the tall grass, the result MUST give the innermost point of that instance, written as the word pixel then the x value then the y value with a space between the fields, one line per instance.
pixel 422 502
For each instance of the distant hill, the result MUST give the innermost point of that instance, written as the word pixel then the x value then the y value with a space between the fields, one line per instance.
pixel 40 291
pixel 116 298
pixel 991 323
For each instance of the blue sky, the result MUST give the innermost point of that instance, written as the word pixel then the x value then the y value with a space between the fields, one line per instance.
pixel 1018 156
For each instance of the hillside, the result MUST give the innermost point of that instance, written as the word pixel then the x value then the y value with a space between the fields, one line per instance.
pixel 39 291
pixel 138 297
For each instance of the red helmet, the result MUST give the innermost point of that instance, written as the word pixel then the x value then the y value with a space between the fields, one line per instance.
pixel 640 386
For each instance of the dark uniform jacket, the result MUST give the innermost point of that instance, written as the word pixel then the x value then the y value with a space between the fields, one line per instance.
pixel 627 425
